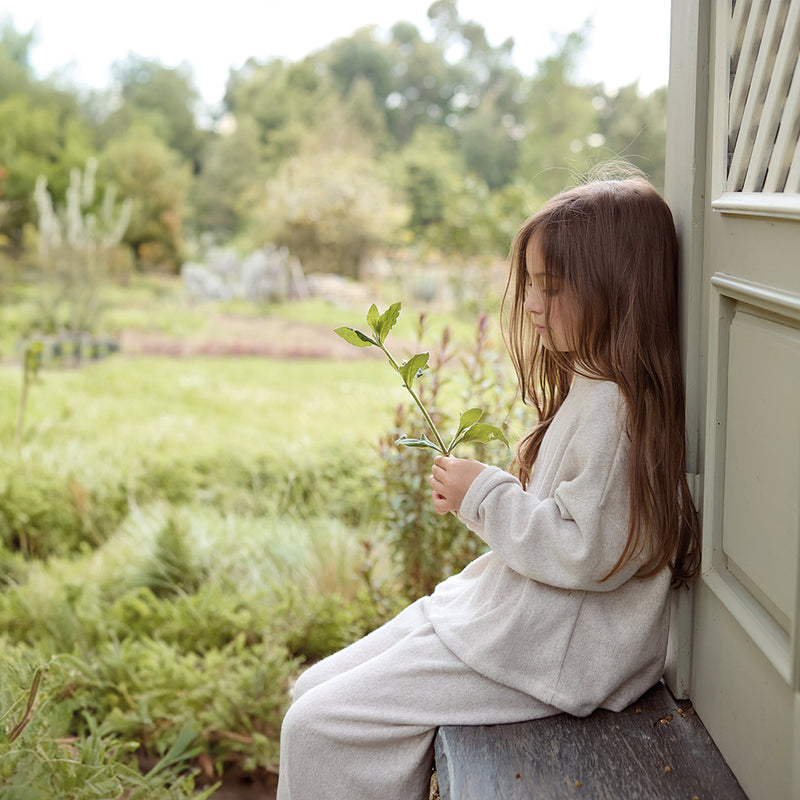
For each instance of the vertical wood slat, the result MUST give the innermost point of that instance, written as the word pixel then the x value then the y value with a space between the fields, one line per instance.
pixel 773 113
pixel 786 143
pixel 793 178
pixel 765 53
pixel 744 72
pixel 741 12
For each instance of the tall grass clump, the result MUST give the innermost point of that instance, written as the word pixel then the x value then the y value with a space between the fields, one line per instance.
pixel 40 758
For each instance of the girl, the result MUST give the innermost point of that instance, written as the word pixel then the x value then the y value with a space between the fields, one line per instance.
pixel 569 609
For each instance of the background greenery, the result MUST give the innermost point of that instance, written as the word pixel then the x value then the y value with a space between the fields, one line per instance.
pixel 370 143
pixel 176 539
pixel 179 537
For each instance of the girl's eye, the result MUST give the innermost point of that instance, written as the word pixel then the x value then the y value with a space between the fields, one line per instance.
pixel 551 287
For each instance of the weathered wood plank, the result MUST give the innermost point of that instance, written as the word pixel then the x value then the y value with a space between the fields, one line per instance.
pixel 657 749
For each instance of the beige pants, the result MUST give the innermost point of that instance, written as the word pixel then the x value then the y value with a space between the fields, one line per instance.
pixel 362 723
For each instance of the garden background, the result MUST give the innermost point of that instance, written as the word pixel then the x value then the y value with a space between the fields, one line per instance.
pixel 199 487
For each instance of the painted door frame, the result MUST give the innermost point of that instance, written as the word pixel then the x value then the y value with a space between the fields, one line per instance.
pixel 684 191
pixel 695 190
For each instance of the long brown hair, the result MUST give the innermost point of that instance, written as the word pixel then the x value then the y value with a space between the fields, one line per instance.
pixel 612 248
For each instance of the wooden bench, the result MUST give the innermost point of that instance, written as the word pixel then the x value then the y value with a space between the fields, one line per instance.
pixel 656 749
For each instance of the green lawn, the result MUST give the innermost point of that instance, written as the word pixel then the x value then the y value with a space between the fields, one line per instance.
pixel 120 409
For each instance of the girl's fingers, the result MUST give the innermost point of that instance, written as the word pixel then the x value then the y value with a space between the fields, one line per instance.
pixel 438 503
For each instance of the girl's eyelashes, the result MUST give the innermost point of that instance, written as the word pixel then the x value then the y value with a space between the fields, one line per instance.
pixel 549 287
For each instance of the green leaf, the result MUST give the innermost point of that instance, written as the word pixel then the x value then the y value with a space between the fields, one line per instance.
pixel 423 441
pixel 413 368
pixel 483 432
pixel 354 337
pixel 387 320
pixel 372 320
pixel 178 752
pixel 469 418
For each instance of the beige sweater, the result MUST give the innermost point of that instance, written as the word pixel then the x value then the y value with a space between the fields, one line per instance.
pixel 533 613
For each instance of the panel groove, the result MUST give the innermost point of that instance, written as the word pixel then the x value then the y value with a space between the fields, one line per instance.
pixel 734 563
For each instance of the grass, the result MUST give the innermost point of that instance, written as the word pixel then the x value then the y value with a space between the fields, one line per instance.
pixel 109 411
pixel 179 536
pixel 241 458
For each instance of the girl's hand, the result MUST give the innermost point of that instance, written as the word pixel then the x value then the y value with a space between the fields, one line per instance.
pixel 450 478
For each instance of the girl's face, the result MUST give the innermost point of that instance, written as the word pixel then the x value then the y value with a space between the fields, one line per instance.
pixel 553 325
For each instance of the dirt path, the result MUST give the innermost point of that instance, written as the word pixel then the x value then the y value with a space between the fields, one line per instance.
pixel 246 336
pixel 260 788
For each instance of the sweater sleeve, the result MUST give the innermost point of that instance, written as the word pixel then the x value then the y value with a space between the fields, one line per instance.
pixel 573 538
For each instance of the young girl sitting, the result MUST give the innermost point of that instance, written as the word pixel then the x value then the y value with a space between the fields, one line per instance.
pixel 569 610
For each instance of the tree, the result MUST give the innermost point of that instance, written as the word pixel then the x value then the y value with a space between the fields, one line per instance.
pixel 425 170
pixel 424 84
pixel 156 180
pixel 282 99
pixel 490 141
pixel 361 56
pixel 166 97
pixel 231 179
pixel 560 120
pixel 450 206
pixel 330 209
pixel 15 69
pixel 42 134
pixel 634 127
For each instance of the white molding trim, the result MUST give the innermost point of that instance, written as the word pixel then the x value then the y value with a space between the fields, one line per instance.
pixel 760 295
pixel 759 204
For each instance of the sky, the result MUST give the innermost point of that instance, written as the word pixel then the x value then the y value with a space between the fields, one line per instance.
pixel 84 37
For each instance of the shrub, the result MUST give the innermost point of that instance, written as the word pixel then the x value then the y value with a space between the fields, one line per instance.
pixel 44 515
pixel 171 567
pixel 209 619
pixel 316 626
pixel 428 547
pixel 38 757
pixel 187 617
pixel 145 690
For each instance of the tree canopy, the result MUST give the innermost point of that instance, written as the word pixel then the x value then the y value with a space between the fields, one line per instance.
pixel 385 138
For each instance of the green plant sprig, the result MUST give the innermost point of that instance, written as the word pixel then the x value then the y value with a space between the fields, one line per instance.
pixel 470 427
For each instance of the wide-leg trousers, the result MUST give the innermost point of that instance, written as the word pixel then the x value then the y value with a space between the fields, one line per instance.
pixel 362 722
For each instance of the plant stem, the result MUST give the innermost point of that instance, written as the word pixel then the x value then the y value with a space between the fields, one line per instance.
pixel 420 406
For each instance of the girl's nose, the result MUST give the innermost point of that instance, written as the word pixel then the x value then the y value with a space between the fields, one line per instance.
pixel 534 303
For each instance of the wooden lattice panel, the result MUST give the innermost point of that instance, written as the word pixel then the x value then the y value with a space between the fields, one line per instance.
pixel 764 108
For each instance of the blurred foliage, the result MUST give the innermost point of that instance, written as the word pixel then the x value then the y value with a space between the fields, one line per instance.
pixel 443 140
pixel 164 98
pixel 330 209
pixel 77 252
pixel 169 586
pixel 152 175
